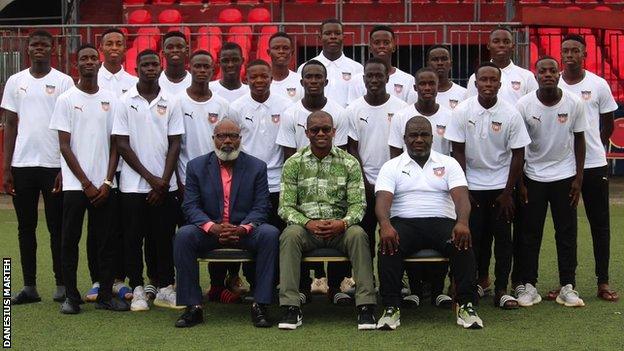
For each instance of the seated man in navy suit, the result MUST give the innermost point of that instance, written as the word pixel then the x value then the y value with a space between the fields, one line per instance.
pixel 226 202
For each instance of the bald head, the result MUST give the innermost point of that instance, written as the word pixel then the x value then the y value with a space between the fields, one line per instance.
pixel 417 121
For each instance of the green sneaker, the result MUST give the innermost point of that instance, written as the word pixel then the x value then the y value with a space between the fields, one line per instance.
pixel 390 319
pixel 468 318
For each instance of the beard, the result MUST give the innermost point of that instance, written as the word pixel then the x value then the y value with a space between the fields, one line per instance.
pixel 227 155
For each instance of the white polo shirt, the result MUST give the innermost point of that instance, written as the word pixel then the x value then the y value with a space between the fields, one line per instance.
pixel 289 87
pixel 33 100
pixel 293 125
pixel 339 74
pixel 489 136
pixel 370 126
pixel 199 120
pixel 421 192
pixel 597 98
pixel 550 155
pixel 229 95
pixel 172 89
pixel 439 121
pixel 515 83
pixel 452 97
pixel 399 84
pixel 119 83
pixel 148 125
pixel 89 120
pixel 260 123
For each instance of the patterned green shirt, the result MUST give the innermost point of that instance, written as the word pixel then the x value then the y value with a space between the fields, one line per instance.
pixel 331 188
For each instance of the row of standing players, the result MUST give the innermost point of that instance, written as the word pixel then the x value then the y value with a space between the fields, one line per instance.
pixel 34 161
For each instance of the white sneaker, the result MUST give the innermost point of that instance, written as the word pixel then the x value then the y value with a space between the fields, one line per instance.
pixel 139 300
pixel 528 295
pixel 166 297
pixel 569 297
pixel 347 286
pixel 319 286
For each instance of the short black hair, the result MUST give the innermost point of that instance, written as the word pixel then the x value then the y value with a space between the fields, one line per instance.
pixel 145 53
pixel 379 28
pixel 575 37
pixel 201 52
pixel 281 35
pixel 330 20
pixel 174 34
pixel 423 70
pixel 488 64
pixel 437 46
pixel 113 30
pixel 374 60
pixel 86 46
pixel 257 62
pixel 231 46
pixel 546 57
pixel 40 33
pixel 501 27
pixel 314 62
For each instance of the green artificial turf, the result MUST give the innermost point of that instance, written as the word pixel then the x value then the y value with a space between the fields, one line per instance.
pixel 547 326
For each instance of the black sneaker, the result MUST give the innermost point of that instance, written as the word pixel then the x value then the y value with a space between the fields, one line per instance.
pixel 192 316
pixel 366 317
pixel 24 298
pixel 292 319
pixel 259 316
pixel 114 304
pixel 70 306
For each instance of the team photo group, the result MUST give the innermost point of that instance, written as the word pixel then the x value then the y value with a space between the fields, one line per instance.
pixel 196 153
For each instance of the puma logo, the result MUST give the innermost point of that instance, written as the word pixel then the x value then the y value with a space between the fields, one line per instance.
pixel 406 172
pixel 365 120
pixel 301 125
pixel 474 124
pixel 23 89
pixel 135 107
pixel 189 114
pixel 79 108
pixel 539 119
pixel 249 119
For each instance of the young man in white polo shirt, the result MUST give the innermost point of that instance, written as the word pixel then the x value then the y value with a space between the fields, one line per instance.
pixel 83 117
pixel 111 75
pixel 175 78
pixel 555 119
pixel 449 93
pixel 32 159
pixel 285 82
pixel 599 107
pixel 340 69
pixel 148 138
pixel 292 136
pixel 422 202
pixel 489 136
pixel 369 125
pixel 382 45
pixel 515 81
pixel 230 86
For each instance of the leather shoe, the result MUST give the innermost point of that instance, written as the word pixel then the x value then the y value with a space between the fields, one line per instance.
pixel 192 316
pixel 23 298
pixel 113 304
pixel 70 307
pixel 259 316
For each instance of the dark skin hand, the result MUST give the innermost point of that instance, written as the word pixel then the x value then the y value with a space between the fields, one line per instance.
pixel 504 201
pixel 388 236
pixel 227 234
pixel 461 237
pixel 325 229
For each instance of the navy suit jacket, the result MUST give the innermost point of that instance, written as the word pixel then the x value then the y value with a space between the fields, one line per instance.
pixel 249 192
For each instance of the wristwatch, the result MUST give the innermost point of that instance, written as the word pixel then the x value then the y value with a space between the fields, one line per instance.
pixel 108 182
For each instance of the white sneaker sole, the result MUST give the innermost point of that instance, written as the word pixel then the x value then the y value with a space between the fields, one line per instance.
pixel 537 300
pixel 367 326
pixel 474 325
pixel 560 301
pixel 289 326
pixel 387 326
pixel 165 304
pixel 138 308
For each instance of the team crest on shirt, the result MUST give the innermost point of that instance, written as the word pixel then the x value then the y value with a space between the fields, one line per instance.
pixel 50 89
pixel 586 94
pixel 398 88
pixel 438 171
pixel 453 103
pixel 496 126
pixel 213 117
pixel 440 129
pixel 515 85
pixel 562 117
pixel 390 115
pixel 105 105
pixel 161 109
pixel 346 75
pixel 291 91
pixel 275 118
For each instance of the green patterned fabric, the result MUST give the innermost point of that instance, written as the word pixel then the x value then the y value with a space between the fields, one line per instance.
pixel 331 188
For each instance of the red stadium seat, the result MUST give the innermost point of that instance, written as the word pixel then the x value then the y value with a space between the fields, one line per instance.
pixel 163 2
pixel 131 55
pixel 209 30
pixel 259 15
pixel 140 17
pixel 191 2
pixel 170 16
pixel 149 31
pixel 550 41
pixel 185 30
pixel 602 8
pixel 263 42
pixel 534 55
pixel 306 1
pixel 133 2
pixel 230 15
pixel 145 42
pixel 210 43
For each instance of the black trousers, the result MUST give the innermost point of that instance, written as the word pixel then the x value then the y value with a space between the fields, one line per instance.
pixel 516 271
pixel 485 224
pixel 595 193
pixel 150 223
pixel 564 218
pixel 102 228
pixel 29 182
pixel 421 233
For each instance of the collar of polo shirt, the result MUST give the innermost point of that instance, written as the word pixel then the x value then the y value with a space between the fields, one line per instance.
pixel 406 159
pixel 108 74
pixel 339 62
pixel 162 95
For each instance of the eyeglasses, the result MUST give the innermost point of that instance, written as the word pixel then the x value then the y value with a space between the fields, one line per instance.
pixel 223 136
pixel 316 130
